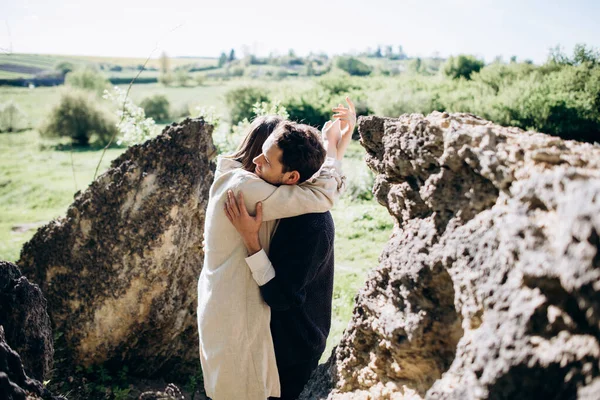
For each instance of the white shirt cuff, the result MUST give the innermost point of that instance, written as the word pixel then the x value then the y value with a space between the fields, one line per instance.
pixel 261 267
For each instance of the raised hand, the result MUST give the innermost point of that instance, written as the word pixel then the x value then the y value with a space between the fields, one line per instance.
pixel 347 118
pixel 247 225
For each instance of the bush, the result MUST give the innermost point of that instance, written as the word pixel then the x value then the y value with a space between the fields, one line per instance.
pixel 77 116
pixel 337 84
pixel 181 111
pixel 12 118
pixel 462 66
pixel 308 108
pixel 241 101
pixel 182 76
pixel 200 79
pixel 565 103
pixel 353 66
pixel 166 79
pixel 64 67
pixel 87 79
pixel 156 107
pixel 133 125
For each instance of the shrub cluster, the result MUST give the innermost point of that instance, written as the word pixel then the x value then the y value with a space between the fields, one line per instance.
pixel 557 99
pixel 353 66
pixel 241 102
pixel 78 116
pixel 87 79
pixel 156 107
pixel 12 117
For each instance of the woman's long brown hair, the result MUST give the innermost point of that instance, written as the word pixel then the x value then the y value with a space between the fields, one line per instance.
pixel 251 146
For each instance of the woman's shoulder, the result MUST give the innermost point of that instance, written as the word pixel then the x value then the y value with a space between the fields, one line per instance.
pixel 225 164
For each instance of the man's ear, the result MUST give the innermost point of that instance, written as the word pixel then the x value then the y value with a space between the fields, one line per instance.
pixel 292 178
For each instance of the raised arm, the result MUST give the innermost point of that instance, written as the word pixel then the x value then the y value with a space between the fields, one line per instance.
pixel 317 194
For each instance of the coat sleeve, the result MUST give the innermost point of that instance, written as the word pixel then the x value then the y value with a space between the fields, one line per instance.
pixel 316 195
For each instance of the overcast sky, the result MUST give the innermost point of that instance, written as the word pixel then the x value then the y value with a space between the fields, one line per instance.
pixel 133 28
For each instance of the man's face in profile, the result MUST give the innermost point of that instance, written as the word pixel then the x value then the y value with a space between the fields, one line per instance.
pixel 268 164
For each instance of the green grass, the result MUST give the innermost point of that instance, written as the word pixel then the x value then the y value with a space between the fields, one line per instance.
pixel 37 184
pixel 13 75
pixel 36 103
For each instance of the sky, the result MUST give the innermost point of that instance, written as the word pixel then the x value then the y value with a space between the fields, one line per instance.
pixel 139 28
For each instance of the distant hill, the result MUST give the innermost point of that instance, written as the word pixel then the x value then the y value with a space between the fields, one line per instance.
pixel 15 65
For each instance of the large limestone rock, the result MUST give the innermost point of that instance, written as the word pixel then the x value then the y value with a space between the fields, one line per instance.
pixel 25 321
pixel 120 270
pixel 489 287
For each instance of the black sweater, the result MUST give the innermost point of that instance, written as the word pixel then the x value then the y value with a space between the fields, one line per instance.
pixel 300 295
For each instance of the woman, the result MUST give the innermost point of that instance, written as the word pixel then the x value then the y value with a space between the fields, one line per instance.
pixel 236 349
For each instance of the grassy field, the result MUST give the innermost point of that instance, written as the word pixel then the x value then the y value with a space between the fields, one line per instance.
pixel 48 62
pixel 37 184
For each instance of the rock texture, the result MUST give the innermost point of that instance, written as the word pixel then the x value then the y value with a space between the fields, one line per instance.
pixel 14 382
pixel 489 286
pixel 120 270
pixel 25 321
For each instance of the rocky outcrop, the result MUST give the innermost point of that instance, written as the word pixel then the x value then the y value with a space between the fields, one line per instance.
pixel 489 286
pixel 120 270
pixel 25 321
pixel 14 382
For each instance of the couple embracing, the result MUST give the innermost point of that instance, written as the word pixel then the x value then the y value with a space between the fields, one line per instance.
pixel 265 290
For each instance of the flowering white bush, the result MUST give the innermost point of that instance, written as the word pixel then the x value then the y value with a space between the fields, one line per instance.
pixel 133 125
pixel 270 108
pixel 209 114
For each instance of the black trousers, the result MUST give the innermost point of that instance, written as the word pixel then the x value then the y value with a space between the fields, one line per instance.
pixel 293 379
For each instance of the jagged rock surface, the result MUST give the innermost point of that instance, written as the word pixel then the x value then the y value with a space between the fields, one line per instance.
pixel 25 321
pixel 489 286
pixel 120 270
pixel 14 382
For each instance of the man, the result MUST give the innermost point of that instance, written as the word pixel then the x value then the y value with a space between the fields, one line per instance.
pixel 236 348
pixel 300 293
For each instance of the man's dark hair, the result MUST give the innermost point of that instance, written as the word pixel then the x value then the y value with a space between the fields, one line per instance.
pixel 302 148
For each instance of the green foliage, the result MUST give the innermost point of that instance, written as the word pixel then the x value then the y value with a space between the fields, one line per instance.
pixel 182 77
pixel 565 103
pixel 498 76
pixel 462 66
pixel 210 115
pixel 87 79
pixel 64 67
pixel 582 54
pixel 222 60
pixel 166 79
pixel 241 101
pixel 77 116
pixel 133 125
pixel 416 65
pixel 156 107
pixel 12 117
pixel 353 66
pixel 199 79
pixel 337 84
pixel 308 108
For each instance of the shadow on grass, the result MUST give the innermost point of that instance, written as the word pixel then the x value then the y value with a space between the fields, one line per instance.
pixel 92 147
